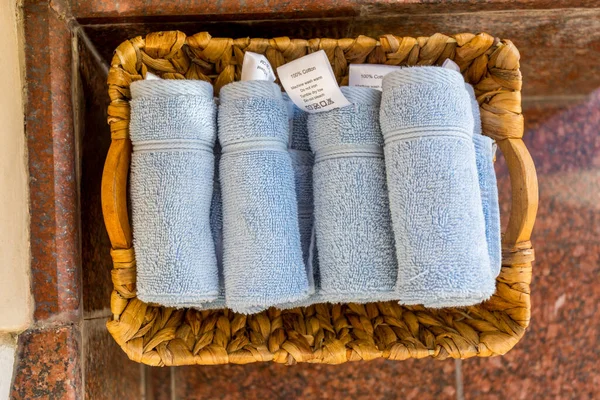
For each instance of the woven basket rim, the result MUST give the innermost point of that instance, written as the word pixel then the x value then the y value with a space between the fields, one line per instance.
pixel 322 333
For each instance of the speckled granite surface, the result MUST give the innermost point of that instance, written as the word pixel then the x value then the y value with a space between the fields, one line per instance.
pixel 67 354
pixel 559 354
pixel 377 379
pixel 51 146
pixel 46 366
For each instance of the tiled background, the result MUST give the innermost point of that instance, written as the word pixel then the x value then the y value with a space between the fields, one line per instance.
pixel 69 354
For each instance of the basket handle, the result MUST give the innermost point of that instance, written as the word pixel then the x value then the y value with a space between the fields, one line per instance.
pixel 524 187
pixel 114 193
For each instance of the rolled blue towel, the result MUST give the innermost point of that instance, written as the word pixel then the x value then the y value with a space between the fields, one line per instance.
pixel 484 156
pixel 302 163
pixel 173 130
pixel 439 227
pixel 354 235
pixel 216 228
pixel 262 255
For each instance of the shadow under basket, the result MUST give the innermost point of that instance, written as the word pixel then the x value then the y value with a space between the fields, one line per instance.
pixel 322 333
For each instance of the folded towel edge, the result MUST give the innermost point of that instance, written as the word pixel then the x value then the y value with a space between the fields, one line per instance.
pixel 171 87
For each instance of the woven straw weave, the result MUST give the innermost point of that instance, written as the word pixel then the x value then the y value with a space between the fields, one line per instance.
pixel 322 333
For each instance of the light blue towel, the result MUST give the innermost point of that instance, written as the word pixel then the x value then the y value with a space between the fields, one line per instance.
pixel 173 130
pixel 435 200
pixel 354 235
pixel 216 228
pixel 484 155
pixel 262 255
pixel 302 163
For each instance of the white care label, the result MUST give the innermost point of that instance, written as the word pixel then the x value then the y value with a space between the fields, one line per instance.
pixel 151 77
pixel 369 75
pixel 451 65
pixel 311 84
pixel 256 67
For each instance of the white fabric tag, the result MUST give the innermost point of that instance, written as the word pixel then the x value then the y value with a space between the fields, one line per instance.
pixel 451 65
pixel 311 84
pixel 256 67
pixel 369 75
pixel 151 77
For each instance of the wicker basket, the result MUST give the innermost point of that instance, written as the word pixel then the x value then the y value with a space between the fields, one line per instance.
pixel 322 333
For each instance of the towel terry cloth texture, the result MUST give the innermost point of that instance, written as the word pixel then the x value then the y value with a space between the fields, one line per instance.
pixel 354 239
pixel 302 163
pixel 262 253
pixel 216 228
pixel 173 131
pixel 434 193
pixel 484 157
pixel 431 169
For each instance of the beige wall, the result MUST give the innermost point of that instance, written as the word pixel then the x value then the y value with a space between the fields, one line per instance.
pixel 15 296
